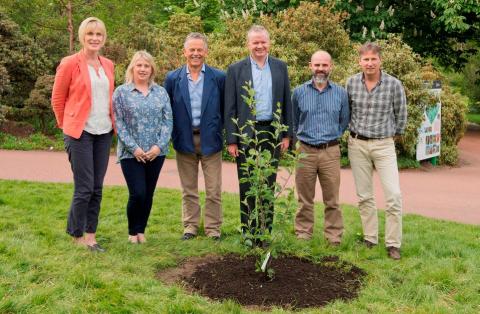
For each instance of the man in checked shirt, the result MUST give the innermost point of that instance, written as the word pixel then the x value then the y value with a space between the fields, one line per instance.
pixel 378 114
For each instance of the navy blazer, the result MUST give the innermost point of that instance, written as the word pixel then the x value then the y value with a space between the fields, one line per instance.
pixel 238 74
pixel 211 120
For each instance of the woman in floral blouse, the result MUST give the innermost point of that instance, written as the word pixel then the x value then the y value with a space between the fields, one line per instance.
pixel 143 119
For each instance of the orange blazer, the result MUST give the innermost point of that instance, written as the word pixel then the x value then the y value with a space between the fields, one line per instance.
pixel 72 93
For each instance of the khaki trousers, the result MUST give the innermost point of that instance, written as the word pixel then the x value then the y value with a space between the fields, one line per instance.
pixel 187 165
pixel 364 156
pixel 324 164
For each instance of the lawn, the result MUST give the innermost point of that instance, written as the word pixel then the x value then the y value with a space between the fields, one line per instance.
pixel 473 117
pixel 42 272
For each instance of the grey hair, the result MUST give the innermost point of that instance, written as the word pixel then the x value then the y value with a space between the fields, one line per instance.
pixel 257 29
pixel 196 35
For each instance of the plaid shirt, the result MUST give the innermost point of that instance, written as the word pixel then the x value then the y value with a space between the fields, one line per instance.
pixel 380 113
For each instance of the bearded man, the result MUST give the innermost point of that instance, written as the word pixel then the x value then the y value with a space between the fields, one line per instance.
pixel 321 115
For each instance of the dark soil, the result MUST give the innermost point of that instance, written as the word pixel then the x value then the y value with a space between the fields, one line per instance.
pixel 298 283
pixel 17 129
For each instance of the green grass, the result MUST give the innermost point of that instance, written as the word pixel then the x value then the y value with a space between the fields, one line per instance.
pixel 35 141
pixel 473 117
pixel 41 271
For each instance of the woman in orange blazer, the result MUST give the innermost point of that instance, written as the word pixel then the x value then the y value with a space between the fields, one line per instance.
pixel 82 102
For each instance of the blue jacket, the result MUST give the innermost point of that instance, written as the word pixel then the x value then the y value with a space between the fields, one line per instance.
pixel 211 121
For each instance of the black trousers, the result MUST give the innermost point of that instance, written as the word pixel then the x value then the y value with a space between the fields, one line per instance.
pixel 141 181
pixel 246 210
pixel 88 156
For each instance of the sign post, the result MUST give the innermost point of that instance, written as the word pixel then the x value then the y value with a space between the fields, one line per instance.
pixel 429 132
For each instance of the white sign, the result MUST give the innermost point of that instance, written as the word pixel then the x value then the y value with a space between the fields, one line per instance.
pixel 429 133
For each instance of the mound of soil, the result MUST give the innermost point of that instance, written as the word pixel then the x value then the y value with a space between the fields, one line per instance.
pixel 298 283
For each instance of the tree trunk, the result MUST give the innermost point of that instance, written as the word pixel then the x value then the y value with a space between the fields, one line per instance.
pixel 70 25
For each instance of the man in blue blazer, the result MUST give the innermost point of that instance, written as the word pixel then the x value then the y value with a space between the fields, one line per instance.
pixel 196 93
pixel 269 78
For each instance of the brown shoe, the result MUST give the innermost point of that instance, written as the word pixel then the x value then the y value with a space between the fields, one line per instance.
pixel 393 252
pixel 369 244
pixel 334 243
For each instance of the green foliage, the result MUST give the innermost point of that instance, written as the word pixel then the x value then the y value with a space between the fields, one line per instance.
pixel 237 8
pixel 22 60
pixel 474 118
pixel 37 106
pixel 36 141
pixel 471 81
pixel 207 10
pixel 437 28
pixel 165 44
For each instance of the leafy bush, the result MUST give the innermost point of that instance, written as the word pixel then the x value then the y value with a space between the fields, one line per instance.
pixel 471 74
pixel 22 60
pixel 37 106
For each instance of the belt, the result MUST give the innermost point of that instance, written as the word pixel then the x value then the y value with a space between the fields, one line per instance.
pixel 361 137
pixel 264 123
pixel 196 131
pixel 322 145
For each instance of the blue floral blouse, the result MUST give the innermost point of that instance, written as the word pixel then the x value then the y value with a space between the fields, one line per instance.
pixel 142 121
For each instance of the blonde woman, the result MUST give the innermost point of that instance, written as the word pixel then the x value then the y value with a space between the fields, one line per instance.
pixel 144 125
pixel 81 101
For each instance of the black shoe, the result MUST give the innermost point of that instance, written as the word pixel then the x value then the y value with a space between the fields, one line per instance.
pixel 215 238
pixel 96 248
pixel 369 244
pixel 188 236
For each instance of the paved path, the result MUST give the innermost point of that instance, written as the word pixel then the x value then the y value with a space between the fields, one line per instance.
pixel 450 193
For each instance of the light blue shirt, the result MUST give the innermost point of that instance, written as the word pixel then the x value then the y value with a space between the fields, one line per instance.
pixel 195 89
pixel 320 116
pixel 262 84
pixel 142 121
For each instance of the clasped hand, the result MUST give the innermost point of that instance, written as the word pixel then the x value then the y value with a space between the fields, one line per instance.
pixel 150 155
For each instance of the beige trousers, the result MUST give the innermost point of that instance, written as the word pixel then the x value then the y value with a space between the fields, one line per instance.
pixel 187 165
pixel 324 164
pixel 364 156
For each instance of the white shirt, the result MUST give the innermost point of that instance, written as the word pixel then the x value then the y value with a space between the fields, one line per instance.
pixel 99 121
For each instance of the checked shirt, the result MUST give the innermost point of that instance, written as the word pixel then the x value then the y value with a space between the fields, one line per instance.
pixel 380 113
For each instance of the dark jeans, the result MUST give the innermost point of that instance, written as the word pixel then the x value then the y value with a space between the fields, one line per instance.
pixel 88 158
pixel 141 181
pixel 245 211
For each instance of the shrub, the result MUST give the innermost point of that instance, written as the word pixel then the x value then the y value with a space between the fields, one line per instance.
pixel 37 106
pixel 22 59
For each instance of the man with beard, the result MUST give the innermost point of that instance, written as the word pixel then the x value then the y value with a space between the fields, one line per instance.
pixel 321 115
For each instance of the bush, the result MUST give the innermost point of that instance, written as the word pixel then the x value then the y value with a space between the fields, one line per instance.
pixel 37 106
pixel 471 74
pixel 22 60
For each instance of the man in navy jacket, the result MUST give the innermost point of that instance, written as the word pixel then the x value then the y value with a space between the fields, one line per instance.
pixel 196 93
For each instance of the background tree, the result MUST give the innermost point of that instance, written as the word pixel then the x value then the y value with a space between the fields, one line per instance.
pixel 22 60
pixel 446 30
pixel 37 106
